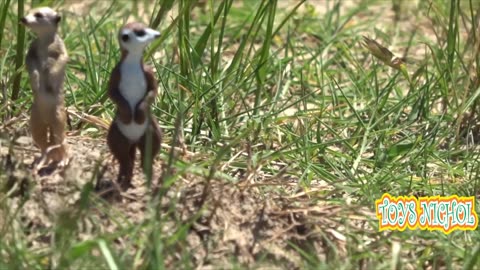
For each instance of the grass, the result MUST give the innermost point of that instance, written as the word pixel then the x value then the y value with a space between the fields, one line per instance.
pixel 280 132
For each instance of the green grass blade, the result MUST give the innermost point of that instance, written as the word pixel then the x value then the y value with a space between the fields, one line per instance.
pixel 19 53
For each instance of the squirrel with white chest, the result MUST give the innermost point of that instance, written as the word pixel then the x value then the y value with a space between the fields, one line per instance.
pixel 46 61
pixel 132 88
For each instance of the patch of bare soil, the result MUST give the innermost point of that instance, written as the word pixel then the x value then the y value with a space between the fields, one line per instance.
pixel 246 222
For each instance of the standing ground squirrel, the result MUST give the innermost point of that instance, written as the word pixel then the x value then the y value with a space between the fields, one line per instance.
pixel 132 88
pixel 46 61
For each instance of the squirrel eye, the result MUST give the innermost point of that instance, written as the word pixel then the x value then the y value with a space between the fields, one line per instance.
pixel 38 15
pixel 140 33
pixel 125 37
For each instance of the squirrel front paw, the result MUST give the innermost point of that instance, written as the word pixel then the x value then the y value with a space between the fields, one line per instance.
pixel 125 116
pixel 140 113
pixel 142 107
pixel 150 97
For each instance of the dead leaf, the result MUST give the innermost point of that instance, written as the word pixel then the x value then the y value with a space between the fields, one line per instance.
pixel 382 53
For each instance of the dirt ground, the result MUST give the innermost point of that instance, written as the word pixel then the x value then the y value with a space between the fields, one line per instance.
pixel 240 220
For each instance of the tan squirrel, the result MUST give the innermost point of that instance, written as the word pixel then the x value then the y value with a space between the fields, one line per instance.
pixel 46 62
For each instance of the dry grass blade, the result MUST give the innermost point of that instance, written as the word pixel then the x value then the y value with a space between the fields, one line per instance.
pixel 89 119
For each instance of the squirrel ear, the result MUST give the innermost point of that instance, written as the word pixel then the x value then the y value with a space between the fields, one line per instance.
pixel 58 19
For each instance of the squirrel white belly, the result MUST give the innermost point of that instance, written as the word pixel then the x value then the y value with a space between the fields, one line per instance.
pixel 133 87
